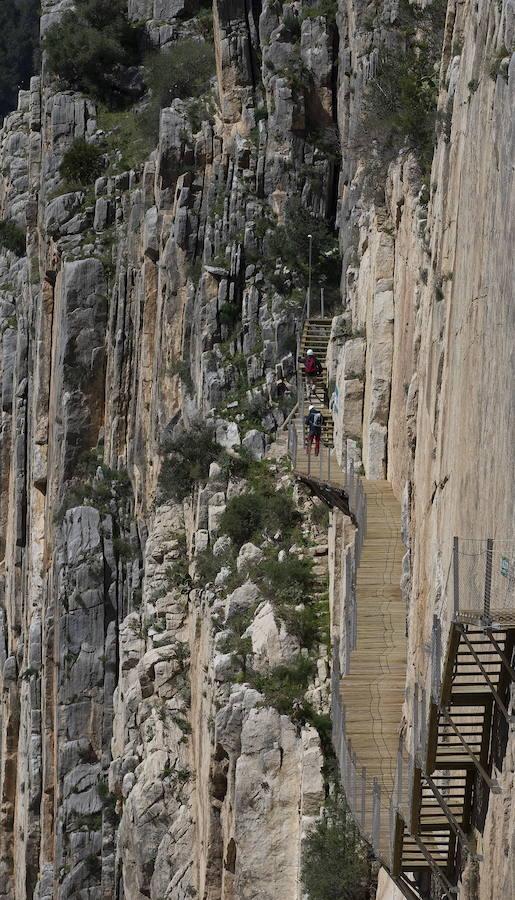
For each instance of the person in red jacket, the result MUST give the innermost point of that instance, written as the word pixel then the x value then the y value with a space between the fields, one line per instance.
pixel 312 368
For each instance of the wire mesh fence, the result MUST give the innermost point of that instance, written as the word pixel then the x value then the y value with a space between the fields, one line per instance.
pixel 370 802
pixel 484 581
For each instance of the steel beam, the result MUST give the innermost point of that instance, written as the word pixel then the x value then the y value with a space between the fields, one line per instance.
pixel 487 678
pixel 492 783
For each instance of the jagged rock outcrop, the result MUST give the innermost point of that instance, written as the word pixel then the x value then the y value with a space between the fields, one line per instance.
pixel 142 754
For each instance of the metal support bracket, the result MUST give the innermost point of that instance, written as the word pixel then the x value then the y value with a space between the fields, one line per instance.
pixel 407 888
pixel 491 685
pixel 448 888
pixel 502 655
pixel 490 782
pixel 458 830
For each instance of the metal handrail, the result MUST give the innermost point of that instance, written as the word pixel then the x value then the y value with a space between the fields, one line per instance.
pixel 483 581
pixel 370 803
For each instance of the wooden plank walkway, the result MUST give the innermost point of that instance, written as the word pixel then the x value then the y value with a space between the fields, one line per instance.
pixel 438 785
pixel 373 689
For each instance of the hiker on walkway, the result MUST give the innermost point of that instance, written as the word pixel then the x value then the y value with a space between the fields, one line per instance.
pixel 283 388
pixel 314 423
pixel 312 369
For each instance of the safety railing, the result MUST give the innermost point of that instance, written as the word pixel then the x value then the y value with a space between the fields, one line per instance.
pixel 484 581
pixel 322 466
pixel 358 506
pixel 402 794
pixel 370 803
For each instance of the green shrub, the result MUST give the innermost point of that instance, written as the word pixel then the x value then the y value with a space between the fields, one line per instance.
pixel 258 511
pixel 235 643
pixel 244 516
pixel 12 238
pixel 19 46
pixel 182 368
pixel 296 73
pixel 326 139
pixel 207 565
pixel 124 550
pixel 90 48
pixel 86 490
pixel 400 105
pixel 326 8
pixel 290 585
pixel 290 244
pixel 284 687
pixel 184 72
pixel 82 163
pixel 204 22
pixel 293 24
pixel 187 461
pixel 254 409
pixel 319 511
pixel 309 624
pixel 399 108
pixel 290 581
pixel 229 315
pixel 126 142
pixel 177 573
pixel 335 863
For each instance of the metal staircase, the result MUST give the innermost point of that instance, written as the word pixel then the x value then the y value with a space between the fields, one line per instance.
pixel 315 336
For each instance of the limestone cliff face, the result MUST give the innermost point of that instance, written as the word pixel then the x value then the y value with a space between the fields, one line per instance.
pixel 421 358
pixel 136 759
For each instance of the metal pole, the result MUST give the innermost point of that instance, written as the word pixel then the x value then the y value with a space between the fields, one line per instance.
pixel 376 814
pixel 488 579
pixel 487 678
pixel 310 238
pixel 449 890
pixel 504 659
pixel 456 576
pixel 363 796
pixel 440 799
pixel 354 786
pixel 322 309
pixel 492 783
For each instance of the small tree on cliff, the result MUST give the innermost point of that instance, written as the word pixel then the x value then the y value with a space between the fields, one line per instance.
pixel 335 864
pixel 92 46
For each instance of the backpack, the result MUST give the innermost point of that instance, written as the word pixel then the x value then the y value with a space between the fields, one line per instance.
pixel 317 419
pixel 310 366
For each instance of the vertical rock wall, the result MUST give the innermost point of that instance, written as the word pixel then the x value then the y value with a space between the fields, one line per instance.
pixel 136 759
pixel 429 405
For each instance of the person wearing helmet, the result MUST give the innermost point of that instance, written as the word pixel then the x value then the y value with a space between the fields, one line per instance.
pixel 312 369
pixel 314 423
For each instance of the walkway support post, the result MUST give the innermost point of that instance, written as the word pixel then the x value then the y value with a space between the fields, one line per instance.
pixel 450 817
pixel 487 618
pixel 491 686
pixel 456 577
pixel 310 238
pixel 490 782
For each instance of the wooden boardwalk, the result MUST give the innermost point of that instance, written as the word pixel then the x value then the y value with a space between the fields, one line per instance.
pixel 373 688
pixel 412 804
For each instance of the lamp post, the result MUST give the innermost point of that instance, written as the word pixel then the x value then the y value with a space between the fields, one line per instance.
pixel 310 238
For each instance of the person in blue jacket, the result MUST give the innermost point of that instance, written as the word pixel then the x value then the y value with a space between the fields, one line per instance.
pixel 314 424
